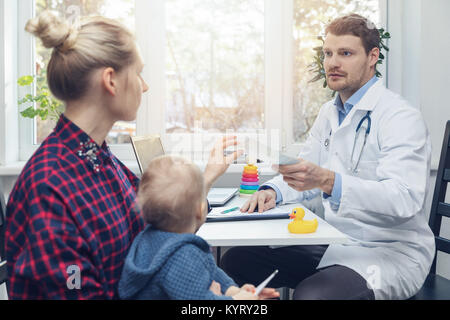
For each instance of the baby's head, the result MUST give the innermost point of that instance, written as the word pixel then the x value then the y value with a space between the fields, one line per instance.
pixel 172 195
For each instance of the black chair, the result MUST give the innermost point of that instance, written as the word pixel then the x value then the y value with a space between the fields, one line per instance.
pixel 3 270
pixel 437 287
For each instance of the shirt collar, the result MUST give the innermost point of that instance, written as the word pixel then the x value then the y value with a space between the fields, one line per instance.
pixel 82 145
pixel 355 98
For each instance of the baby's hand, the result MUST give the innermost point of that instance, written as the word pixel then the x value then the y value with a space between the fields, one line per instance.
pixel 216 288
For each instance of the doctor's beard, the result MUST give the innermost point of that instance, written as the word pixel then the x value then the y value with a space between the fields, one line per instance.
pixel 345 84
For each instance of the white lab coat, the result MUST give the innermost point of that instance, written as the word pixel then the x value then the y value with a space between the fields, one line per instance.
pixel 382 206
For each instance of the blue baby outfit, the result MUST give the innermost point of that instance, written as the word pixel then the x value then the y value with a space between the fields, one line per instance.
pixel 170 266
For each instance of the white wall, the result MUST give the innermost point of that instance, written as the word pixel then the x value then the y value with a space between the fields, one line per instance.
pixel 418 62
pixel 419 70
pixel 435 69
pixel 434 87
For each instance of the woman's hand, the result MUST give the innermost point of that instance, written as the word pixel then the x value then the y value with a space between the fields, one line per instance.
pixel 218 162
pixel 231 291
pixel 244 295
pixel 266 293
pixel 269 293
pixel 247 292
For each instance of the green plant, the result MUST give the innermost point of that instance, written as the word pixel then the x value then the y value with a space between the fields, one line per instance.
pixel 318 68
pixel 42 104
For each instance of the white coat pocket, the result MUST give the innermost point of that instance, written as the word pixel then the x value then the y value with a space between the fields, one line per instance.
pixel 367 170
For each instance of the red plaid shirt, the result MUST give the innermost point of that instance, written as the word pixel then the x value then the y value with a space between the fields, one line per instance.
pixel 72 208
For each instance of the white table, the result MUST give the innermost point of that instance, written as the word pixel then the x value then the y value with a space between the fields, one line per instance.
pixel 267 232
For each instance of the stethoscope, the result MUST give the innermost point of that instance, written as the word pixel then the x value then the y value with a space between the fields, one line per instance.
pixel 354 165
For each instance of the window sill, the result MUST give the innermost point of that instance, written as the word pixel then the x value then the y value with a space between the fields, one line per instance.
pixel 264 170
pixel 15 168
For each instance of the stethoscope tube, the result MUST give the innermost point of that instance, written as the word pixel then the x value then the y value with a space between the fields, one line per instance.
pixel 369 121
pixel 367 117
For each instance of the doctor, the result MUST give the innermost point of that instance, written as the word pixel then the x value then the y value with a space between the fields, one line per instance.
pixel 368 157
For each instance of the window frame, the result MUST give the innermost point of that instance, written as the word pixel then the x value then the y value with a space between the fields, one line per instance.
pixel 9 128
pixel 150 34
pixel 278 20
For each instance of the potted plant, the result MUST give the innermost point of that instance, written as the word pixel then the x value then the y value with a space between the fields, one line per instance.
pixel 41 104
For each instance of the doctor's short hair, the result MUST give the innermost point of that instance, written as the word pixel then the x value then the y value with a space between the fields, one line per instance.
pixel 171 192
pixel 356 25
pixel 80 49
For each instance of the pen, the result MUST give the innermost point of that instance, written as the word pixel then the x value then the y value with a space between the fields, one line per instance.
pixel 230 210
pixel 265 283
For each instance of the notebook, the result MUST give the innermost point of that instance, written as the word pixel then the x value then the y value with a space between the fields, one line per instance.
pixel 218 197
pixel 217 215
pixel 147 148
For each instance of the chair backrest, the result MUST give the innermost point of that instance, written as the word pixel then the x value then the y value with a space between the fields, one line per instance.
pixel 2 224
pixel 439 208
pixel 147 148
pixel 3 272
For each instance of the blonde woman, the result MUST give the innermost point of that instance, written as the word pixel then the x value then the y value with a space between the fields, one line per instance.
pixel 72 215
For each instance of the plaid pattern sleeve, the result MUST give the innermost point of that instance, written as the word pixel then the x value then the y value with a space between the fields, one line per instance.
pixel 71 219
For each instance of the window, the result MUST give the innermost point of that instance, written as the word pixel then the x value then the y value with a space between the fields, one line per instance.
pixel 123 10
pixel 213 67
pixel 310 18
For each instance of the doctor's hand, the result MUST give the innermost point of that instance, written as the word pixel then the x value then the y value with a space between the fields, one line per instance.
pixel 265 200
pixel 305 176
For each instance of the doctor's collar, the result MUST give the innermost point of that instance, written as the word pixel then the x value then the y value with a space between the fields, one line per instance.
pixel 355 98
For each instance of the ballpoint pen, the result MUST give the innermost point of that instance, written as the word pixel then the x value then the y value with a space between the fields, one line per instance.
pixel 230 210
pixel 265 283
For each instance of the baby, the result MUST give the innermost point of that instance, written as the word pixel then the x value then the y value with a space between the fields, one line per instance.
pixel 167 260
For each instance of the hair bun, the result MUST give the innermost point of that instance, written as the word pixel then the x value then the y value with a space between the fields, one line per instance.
pixel 53 31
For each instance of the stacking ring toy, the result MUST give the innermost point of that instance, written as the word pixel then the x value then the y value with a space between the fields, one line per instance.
pixel 243 187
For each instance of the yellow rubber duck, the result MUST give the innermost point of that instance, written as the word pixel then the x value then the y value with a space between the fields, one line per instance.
pixel 300 226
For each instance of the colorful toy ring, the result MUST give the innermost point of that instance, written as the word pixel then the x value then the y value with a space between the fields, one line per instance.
pixel 247 191
pixel 250 183
pixel 243 187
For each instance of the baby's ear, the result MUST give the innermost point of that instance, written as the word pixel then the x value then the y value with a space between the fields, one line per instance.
pixel 201 212
pixel 204 206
